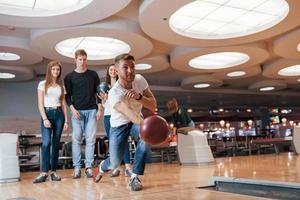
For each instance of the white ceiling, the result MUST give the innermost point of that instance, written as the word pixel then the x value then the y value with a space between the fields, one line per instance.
pixel 143 25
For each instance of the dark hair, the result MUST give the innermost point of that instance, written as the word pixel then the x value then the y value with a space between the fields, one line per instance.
pixel 80 52
pixel 124 56
pixel 49 78
pixel 108 78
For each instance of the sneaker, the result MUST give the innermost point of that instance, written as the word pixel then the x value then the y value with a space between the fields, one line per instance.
pixel 41 178
pixel 128 172
pixel 55 177
pixel 97 175
pixel 135 184
pixel 76 173
pixel 89 172
pixel 115 173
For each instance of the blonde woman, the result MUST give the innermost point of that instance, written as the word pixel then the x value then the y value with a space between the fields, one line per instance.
pixel 52 108
pixel 180 116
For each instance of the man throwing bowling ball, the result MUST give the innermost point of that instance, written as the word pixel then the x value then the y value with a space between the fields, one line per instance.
pixel 126 98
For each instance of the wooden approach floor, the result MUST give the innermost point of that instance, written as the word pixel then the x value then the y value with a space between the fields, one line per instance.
pixel 161 181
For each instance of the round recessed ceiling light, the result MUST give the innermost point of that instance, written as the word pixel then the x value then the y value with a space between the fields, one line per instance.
pixel 219 60
pixel 211 19
pixel 39 8
pixel 7 75
pixel 290 71
pixel 9 56
pixel 236 74
pixel 202 85
pixel 143 66
pixel 97 48
pixel 267 88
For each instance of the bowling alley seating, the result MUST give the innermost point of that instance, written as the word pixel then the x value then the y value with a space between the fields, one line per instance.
pixel 164 152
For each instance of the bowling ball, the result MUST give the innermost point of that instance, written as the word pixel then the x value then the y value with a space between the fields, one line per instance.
pixel 103 88
pixel 154 130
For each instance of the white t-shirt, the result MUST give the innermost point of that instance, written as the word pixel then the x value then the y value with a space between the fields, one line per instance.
pixel 51 99
pixel 106 108
pixel 117 93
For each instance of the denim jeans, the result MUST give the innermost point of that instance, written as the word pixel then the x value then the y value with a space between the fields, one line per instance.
pixel 57 120
pixel 86 126
pixel 118 143
pixel 106 121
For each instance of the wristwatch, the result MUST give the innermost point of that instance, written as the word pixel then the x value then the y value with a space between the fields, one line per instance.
pixel 140 97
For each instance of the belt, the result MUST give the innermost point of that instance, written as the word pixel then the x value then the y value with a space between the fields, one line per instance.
pixel 53 108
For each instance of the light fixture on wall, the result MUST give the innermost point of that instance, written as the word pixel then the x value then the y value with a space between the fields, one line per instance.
pixel 171 125
pixel 222 123
pixel 227 125
pixel 250 123
pixel 284 120
pixel 189 110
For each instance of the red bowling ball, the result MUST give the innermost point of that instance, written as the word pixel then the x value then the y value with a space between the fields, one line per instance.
pixel 154 130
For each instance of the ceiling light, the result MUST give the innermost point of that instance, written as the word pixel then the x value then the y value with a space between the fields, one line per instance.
pixel 7 75
pixel 267 88
pixel 189 110
pixel 37 8
pixel 219 60
pixel 236 74
pixel 202 85
pixel 143 66
pixel 211 19
pixel 9 56
pixel 97 48
pixel 290 71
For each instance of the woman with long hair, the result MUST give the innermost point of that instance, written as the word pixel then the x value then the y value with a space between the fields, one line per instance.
pixel 111 79
pixel 53 111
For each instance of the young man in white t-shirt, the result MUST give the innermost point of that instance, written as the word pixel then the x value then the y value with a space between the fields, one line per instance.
pixel 126 98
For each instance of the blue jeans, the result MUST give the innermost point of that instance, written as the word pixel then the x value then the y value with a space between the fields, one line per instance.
pixel 118 143
pixel 57 120
pixel 87 126
pixel 106 121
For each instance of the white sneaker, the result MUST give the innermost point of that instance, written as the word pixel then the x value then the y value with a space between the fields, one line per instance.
pixel 115 173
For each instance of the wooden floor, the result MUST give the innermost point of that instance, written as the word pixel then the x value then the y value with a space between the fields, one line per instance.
pixel 161 181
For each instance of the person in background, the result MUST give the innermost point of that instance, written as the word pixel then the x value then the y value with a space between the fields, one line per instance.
pixel 111 79
pixel 126 98
pixel 180 117
pixel 53 111
pixel 81 85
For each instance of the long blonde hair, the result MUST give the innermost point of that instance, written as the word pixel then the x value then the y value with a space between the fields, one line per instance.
pixel 172 105
pixel 49 78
